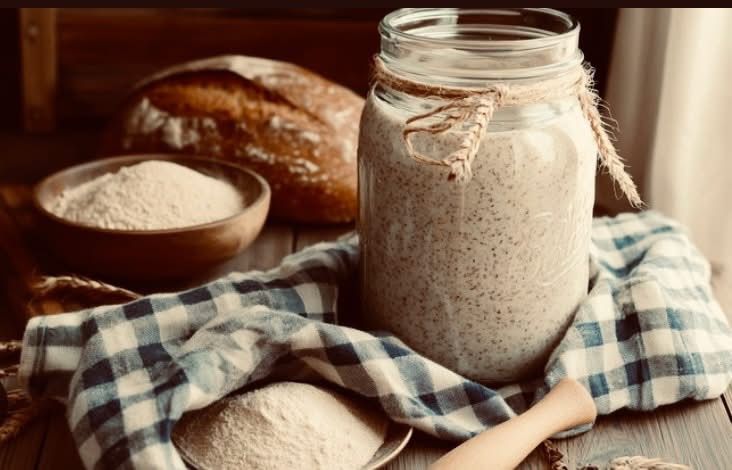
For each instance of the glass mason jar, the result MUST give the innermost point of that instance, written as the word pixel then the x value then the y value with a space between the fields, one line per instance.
pixel 484 276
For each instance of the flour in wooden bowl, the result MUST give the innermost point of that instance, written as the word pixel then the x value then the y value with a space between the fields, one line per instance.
pixel 285 425
pixel 152 195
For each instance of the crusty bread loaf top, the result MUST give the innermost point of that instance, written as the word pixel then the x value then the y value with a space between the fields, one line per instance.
pixel 317 97
pixel 294 127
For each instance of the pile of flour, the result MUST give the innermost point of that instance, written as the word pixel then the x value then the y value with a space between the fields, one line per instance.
pixel 285 425
pixel 152 195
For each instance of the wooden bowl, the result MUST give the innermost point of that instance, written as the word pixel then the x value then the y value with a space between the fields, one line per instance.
pixel 152 255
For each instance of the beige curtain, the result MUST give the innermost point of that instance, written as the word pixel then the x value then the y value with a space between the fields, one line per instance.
pixel 670 89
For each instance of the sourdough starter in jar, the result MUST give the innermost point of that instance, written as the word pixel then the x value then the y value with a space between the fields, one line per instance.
pixel 482 277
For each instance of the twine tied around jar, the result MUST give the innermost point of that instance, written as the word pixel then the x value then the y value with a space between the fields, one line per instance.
pixel 470 110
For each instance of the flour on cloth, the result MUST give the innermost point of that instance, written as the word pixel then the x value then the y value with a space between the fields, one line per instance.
pixel 649 333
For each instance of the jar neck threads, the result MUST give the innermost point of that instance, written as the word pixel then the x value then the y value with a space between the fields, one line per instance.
pixel 473 47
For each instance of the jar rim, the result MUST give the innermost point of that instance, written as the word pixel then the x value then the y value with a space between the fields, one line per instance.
pixel 393 25
pixel 468 47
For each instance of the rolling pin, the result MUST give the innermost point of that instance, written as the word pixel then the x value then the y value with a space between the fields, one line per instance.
pixel 504 446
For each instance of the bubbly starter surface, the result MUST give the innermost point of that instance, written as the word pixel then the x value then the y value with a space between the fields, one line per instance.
pixel 483 278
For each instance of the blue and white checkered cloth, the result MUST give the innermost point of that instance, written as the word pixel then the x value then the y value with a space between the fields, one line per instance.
pixel 649 333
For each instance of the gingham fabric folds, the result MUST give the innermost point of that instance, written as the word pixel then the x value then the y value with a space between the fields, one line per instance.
pixel 649 333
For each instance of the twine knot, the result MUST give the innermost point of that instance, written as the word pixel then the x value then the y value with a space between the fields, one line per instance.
pixel 470 116
pixel 468 111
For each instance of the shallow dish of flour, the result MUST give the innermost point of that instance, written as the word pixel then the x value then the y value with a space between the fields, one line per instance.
pixel 150 217
pixel 289 425
pixel 150 195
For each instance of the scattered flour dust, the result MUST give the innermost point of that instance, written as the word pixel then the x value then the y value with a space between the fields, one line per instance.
pixel 152 195
pixel 285 425
pixel 175 131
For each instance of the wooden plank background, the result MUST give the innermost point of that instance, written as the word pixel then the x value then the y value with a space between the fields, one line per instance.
pixel 9 69
pixel 103 52
pixel 37 37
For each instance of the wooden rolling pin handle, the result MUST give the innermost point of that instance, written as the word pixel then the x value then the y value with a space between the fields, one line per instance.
pixel 504 446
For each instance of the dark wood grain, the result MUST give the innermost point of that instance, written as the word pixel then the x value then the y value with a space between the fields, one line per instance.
pixel 9 70
pixel 37 36
pixel 22 452
pixel 104 52
pixel 423 450
pixel 27 159
pixel 696 434
pixel 273 243
pixel 16 272
pixel 58 451
pixel 310 235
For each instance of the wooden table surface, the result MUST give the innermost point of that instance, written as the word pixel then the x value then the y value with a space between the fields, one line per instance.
pixel 693 433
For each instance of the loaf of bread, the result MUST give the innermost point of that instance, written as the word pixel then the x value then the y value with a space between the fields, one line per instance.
pixel 295 128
